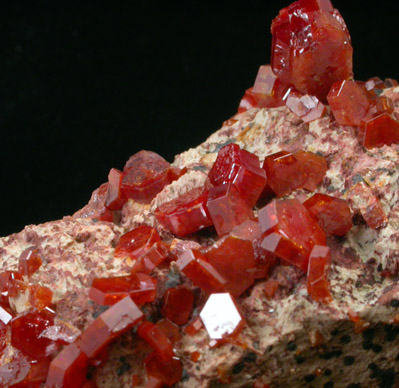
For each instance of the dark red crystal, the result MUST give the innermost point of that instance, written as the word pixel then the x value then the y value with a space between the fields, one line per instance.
pixel 178 304
pixel 247 102
pixel 171 330
pixel 185 214
pixel 311 47
pixel 114 200
pixel 227 208
pixel 194 265
pixel 289 231
pixel 29 262
pixel 119 318
pixel 139 286
pixel 68 368
pixel 333 214
pixel 317 280
pixel 169 372
pixel 240 167
pixel 379 131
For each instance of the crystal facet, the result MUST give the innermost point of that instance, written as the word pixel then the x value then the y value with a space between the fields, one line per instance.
pixel 306 107
pixel 178 304
pixel 317 280
pixel 29 262
pixel 380 130
pixel 169 372
pixel 114 200
pixel 247 102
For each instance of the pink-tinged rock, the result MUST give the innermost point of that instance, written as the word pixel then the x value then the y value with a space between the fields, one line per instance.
pixel 221 316
pixel 306 107
pixel 317 280
pixel 240 167
pixel 185 214
pixel 114 199
pixel 227 208
pixel 68 368
pixel 348 102
pixel 289 231
pixel 119 318
pixel 194 265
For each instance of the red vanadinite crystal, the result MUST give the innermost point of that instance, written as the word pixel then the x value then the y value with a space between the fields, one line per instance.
pixel 114 200
pixel 259 384
pixel 5 318
pixel 289 231
pixel 317 280
pixel 153 382
pixel 234 259
pixel 380 130
pixel 156 338
pixel 68 369
pixel 348 102
pixel 314 166
pixel 247 102
pixel 8 280
pixel 194 265
pixel 333 214
pixel 194 326
pixel 311 47
pixel 268 90
pixel 240 167
pixel 178 304
pixel 221 316
pixel 29 262
pixel 145 174
pixel 185 214
pixel 306 107
pixel 227 208
pixel 171 330
pixel 169 372
pixel 115 321
pixel 26 333
pixel 139 286
pixel 271 287
pixel 40 297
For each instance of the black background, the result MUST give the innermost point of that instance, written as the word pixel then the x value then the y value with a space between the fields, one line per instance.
pixel 83 86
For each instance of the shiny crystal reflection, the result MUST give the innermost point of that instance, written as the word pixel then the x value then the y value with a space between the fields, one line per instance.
pixel 220 316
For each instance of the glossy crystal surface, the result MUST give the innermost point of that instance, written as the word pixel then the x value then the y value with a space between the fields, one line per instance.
pixel 29 262
pixel 306 107
pixel 169 372
pixel 178 304
pixel 379 131
pixel 114 200
pixel 317 280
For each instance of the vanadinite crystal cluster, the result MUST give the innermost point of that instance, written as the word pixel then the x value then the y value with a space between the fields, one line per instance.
pixel 265 257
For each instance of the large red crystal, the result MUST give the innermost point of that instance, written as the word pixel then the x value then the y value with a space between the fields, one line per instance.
pixel 139 286
pixel 247 102
pixel 40 297
pixel 110 324
pixel 156 338
pixel 221 316
pixel 171 330
pixel 29 262
pixel 227 208
pixel 348 102
pixel 185 214
pixel 68 369
pixel 145 174
pixel 289 231
pixel 27 330
pixel 240 167
pixel 169 372
pixel 268 90
pixel 311 47
pixel 194 265
pixel 317 280
pixel 178 304
pixel 234 259
pixel 333 214
pixel 114 200
pixel 306 107
pixel 380 130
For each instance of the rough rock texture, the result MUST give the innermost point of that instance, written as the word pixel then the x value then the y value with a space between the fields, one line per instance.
pixel 289 340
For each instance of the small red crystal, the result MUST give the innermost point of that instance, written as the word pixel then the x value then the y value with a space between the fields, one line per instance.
pixel 194 265
pixel 68 369
pixel 169 372
pixel 8 280
pixel 311 47
pixel 289 231
pixel 139 286
pixel 247 102
pixel 348 102
pixel 221 316
pixel 40 297
pixel 114 200
pixel 317 280
pixel 185 214
pixel 115 321
pixel 26 333
pixel 268 90
pixel 314 166
pixel 233 259
pixel 29 262
pixel 333 214
pixel 271 287
pixel 380 130
pixel 178 304
pixel 240 167
pixel 153 382
pixel 156 338
pixel 145 174
pixel 170 329
pixel 227 208
pixel 306 107
pixel 194 326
